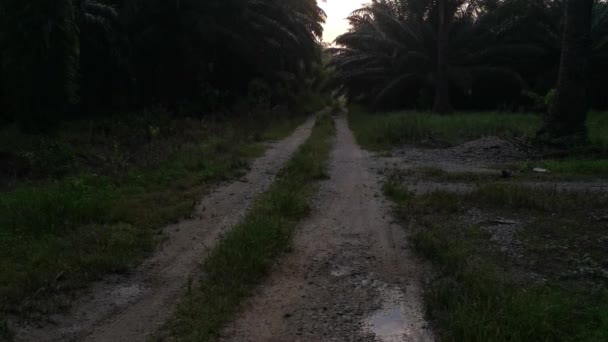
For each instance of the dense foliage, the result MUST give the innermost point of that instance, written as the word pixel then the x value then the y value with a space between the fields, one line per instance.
pixel 70 56
pixel 501 54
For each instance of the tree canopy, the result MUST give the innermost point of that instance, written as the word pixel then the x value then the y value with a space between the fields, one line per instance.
pixel 500 54
pixel 57 55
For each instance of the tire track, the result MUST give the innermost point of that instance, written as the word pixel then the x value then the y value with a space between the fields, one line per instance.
pixel 351 276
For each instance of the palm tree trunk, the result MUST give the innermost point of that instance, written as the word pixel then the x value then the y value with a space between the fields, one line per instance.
pixel 565 122
pixel 442 82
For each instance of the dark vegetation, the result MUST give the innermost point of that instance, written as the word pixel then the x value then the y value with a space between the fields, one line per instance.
pixel 116 115
pixel 503 54
pixel 246 254
pixel 78 58
pixel 480 55
pixel 394 129
pixel 59 234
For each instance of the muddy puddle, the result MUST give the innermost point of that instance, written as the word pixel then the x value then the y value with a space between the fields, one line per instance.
pixel 390 323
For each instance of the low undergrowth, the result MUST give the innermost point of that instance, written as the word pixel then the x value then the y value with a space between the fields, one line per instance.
pixel 245 255
pixel 95 194
pixel 383 131
pixel 546 282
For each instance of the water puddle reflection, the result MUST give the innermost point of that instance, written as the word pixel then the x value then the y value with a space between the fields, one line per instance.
pixel 389 324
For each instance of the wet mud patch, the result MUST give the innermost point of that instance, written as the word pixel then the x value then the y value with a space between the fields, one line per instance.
pixel 391 322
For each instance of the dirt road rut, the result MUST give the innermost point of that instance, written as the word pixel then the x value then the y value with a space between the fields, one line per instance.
pixel 351 276
pixel 131 308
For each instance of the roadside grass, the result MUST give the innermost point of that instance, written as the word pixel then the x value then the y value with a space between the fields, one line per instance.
pixel 107 191
pixel 482 293
pixel 383 131
pixel 246 254
pixel 115 145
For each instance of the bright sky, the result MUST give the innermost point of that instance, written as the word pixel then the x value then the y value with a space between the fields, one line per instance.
pixel 337 12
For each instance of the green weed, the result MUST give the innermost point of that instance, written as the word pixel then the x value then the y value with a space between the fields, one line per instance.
pixel 382 131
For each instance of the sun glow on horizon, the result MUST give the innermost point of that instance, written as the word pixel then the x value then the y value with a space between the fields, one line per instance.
pixel 337 12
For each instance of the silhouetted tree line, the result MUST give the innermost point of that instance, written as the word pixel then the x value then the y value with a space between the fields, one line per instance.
pixel 468 55
pixel 74 57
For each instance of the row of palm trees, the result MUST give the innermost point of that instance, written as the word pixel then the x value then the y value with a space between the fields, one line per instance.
pixel 57 55
pixel 472 54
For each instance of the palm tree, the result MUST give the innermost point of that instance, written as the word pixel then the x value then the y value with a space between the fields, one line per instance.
pixel 565 122
pixel 442 83
pixel 40 53
pixel 382 52
pixel 55 53
pixel 183 46
pixel 103 53
pixel 393 47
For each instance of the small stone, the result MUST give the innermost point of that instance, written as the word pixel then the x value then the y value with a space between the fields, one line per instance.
pixel 540 170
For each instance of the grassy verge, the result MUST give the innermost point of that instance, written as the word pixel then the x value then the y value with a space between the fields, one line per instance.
pixel 541 277
pixel 382 131
pixel 107 188
pixel 245 255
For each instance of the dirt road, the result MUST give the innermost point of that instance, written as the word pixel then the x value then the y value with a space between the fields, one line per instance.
pixel 131 308
pixel 351 276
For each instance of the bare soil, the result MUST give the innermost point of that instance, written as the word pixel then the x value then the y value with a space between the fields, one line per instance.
pixel 486 156
pixel 481 155
pixel 133 307
pixel 539 246
pixel 351 275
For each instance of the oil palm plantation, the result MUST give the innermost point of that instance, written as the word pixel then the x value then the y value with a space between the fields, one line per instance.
pixel 56 54
pixel 395 46
pixel 500 54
